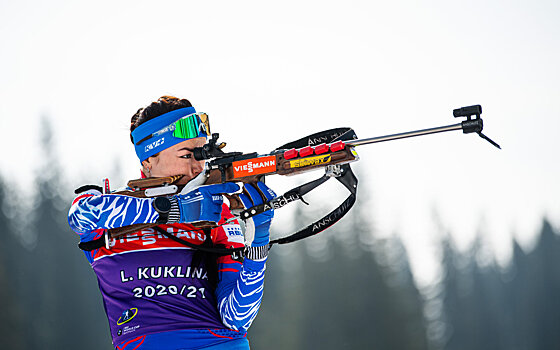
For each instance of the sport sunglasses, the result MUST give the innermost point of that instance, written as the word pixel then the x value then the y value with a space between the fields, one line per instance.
pixel 187 127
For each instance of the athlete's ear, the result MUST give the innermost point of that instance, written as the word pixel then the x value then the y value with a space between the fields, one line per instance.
pixel 148 164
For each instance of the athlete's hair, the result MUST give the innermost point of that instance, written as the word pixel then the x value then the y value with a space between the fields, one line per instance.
pixel 163 105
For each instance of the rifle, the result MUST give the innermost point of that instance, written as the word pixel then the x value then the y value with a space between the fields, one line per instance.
pixel 332 150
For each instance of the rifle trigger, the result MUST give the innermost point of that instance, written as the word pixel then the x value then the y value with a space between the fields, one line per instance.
pixel 301 198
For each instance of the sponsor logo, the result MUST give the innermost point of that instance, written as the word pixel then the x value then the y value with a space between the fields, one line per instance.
pixel 333 217
pixel 154 144
pixel 234 233
pixel 127 315
pixel 324 139
pixel 254 166
pixel 299 163
pixel 128 329
pixel 281 201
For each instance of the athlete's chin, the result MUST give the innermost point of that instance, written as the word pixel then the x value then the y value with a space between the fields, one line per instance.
pixel 184 180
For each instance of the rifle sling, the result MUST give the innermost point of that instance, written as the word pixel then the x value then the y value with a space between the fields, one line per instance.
pixel 327 136
pixel 93 244
pixel 349 180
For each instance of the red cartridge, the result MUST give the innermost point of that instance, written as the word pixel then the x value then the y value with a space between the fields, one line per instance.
pixel 306 151
pixel 289 154
pixel 337 146
pixel 322 148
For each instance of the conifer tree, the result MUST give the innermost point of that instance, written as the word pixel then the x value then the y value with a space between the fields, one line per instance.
pixel 12 317
pixel 538 315
pixel 61 292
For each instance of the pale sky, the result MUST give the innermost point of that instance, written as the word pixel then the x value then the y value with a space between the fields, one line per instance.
pixel 269 73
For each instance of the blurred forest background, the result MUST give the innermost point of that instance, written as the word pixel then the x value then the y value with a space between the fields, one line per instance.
pixel 344 289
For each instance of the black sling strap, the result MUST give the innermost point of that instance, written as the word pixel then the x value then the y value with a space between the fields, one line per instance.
pixel 349 180
pixel 327 136
pixel 93 244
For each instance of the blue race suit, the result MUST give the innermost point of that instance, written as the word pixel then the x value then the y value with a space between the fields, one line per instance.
pixel 154 294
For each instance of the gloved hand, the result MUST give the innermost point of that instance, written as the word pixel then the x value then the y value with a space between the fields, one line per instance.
pixel 259 225
pixel 203 203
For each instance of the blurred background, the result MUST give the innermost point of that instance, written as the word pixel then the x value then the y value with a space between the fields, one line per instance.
pixel 453 244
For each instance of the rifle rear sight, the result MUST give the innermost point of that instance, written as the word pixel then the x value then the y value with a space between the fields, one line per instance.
pixel 220 160
pixel 213 150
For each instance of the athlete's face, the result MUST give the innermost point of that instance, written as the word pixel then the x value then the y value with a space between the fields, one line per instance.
pixel 177 160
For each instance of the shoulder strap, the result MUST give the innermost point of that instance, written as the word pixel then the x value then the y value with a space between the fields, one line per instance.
pixel 93 244
pixel 349 180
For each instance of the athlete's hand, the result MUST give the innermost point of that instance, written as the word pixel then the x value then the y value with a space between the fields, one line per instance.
pixel 204 203
pixel 258 226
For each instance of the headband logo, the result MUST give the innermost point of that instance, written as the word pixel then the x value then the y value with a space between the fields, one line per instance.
pixel 154 144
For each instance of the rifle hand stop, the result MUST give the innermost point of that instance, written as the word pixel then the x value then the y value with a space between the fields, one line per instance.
pixel 472 125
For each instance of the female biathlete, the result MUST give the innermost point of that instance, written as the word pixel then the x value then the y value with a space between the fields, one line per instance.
pixel 158 292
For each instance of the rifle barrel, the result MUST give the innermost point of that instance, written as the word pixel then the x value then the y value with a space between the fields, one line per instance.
pixel 403 135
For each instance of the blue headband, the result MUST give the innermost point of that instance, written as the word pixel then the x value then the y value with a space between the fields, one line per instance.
pixel 158 143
